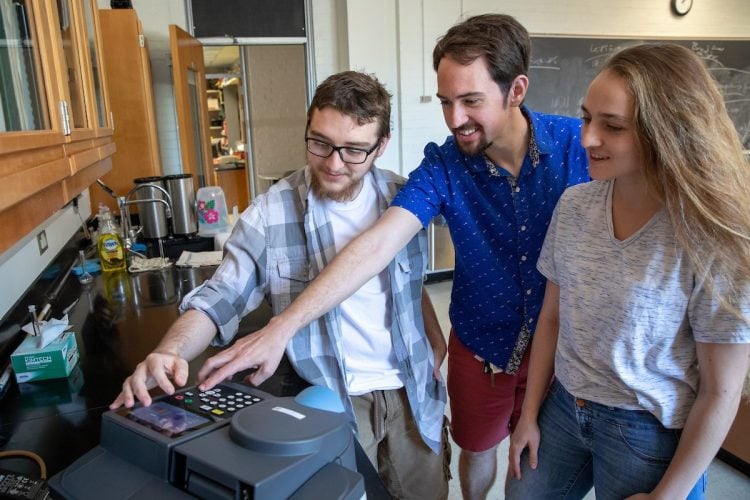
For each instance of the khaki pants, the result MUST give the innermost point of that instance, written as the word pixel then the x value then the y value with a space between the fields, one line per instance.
pixel 391 440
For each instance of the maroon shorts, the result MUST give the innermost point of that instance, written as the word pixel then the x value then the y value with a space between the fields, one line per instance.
pixel 483 411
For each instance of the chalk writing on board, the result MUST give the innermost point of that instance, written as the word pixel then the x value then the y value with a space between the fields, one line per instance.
pixel 562 68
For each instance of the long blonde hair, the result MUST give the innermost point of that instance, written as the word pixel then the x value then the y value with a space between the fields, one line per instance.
pixel 693 160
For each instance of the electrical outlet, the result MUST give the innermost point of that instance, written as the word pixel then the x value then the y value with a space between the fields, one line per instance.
pixel 41 240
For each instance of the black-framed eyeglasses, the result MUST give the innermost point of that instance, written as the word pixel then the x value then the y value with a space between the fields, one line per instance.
pixel 347 154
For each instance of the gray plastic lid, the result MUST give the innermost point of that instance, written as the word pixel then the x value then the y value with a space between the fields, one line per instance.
pixel 282 426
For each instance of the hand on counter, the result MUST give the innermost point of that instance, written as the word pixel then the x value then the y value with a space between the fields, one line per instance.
pixel 157 369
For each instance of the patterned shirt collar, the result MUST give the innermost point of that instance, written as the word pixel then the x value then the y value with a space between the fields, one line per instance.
pixel 533 147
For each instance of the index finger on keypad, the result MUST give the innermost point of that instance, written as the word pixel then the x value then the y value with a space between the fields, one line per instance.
pixel 212 364
pixel 181 372
pixel 162 380
pixel 223 373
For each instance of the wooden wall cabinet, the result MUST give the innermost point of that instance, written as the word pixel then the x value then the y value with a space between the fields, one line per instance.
pixel 128 73
pixel 55 123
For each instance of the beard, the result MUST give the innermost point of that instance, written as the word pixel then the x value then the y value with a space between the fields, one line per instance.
pixel 472 149
pixel 348 193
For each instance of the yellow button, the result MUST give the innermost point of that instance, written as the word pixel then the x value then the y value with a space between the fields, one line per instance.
pixel 217 411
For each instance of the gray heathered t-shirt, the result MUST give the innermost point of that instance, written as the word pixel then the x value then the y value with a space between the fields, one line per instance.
pixel 630 311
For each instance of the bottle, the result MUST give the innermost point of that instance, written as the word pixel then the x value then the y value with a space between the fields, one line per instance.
pixel 109 245
pixel 212 211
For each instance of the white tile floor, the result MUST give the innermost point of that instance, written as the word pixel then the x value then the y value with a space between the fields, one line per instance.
pixel 725 482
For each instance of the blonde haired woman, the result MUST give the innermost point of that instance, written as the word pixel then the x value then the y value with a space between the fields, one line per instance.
pixel 646 315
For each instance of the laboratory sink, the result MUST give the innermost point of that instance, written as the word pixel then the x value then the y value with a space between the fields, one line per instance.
pixel 174 246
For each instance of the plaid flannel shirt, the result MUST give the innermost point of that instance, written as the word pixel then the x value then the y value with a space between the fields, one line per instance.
pixel 278 246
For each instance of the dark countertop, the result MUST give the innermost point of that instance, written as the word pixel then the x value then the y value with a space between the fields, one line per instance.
pixel 118 320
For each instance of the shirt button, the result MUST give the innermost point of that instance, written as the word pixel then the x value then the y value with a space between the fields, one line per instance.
pixel 518 189
pixel 523 258
pixel 528 292
pixel 523 228
pixel 531 320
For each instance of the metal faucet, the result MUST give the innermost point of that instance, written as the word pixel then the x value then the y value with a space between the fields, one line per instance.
pixel 123 202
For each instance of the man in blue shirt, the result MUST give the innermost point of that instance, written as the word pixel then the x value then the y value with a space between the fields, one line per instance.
pixel 496 181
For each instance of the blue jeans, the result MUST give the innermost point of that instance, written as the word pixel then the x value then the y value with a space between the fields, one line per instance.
pixel 584 444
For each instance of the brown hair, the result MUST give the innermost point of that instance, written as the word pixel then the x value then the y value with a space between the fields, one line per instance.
pixel 355 94
pixel 693 160
pixel 499 38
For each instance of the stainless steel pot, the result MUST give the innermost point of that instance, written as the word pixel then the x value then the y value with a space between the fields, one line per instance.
pixel 153 216
pixel 182 192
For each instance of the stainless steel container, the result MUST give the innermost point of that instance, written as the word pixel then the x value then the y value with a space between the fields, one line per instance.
pixel 153 216
pixel 182 192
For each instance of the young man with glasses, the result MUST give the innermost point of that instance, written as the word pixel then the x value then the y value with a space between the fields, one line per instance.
pixel 381 349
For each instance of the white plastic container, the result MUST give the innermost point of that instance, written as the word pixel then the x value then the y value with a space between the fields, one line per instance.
pixel 212 211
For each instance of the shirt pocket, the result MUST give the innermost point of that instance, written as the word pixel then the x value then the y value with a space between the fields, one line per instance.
pixel 289 280
pixel 403 263
pixel 294 269
pixel 406 271
pixel 411 258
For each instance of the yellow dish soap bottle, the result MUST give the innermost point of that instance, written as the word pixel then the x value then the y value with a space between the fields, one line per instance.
pixel 109 245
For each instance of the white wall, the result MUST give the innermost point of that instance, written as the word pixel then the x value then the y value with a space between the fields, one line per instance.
pixel 22 263
pixel 330 35
pixel 651 18
pixel 420 25
pixel 375 22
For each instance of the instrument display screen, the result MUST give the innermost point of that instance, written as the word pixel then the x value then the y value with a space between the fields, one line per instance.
pixel 168 419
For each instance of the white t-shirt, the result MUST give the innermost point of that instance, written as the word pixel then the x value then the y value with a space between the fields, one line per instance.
pixel 369 358
pixel 630 311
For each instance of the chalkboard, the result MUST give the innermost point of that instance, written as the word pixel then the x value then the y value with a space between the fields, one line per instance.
pixel 562 68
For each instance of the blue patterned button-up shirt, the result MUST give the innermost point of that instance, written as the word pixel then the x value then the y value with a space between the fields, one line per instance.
pixel 497 223
pixel 280 244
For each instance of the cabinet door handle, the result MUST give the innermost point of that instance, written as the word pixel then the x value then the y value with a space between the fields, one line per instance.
pixel 65 117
